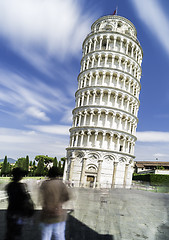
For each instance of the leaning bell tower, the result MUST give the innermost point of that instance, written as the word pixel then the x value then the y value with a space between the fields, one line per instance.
pixel 103 135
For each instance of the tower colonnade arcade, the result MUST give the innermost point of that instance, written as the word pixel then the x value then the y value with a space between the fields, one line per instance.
pixel 115 42
pixel 111 79
pixel 106 169
pixel 103 134
pixel 101 118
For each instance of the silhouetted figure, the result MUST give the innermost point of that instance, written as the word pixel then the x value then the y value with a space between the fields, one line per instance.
pixel 53 218
pixel 17 197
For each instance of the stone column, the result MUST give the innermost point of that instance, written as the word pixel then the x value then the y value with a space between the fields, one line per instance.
pixel 114 174
pixel 121 45
pixel 76 116
pixel 94 96
pixel 82 177
pixel 124 143
pixel 88 95
pixel 71 168
pixel 90 44
pixel 99 173
pixel 117 83
pixel 125 175
pixel 91 117
pixel 106 57
pixel 85 116
pixel 107 43
pixel 101 39
pixel 112 124
pixel 103 78
pixel 90 80
pixel 122 102
pixel 85 49
pixel 136 55
pixel 111 141
pixel 96 79
pixel 108 97
pixel 105 120
pixel 118 140
pixel 93 58
pixel 120 64
pixel 83 68
pixel 128 142
pixel 101 97
pixel 95 138
pixel 103 140
pixel 112 64
pixel 82 99
pixel 72 140
pixel 115 99
pixel 114 43
pixel 76 139
pixel 132 48
pixel 95 40
pixel 98 118
pixel 127 47
pixel 88 137
pixel 111 76
pixel 119 124
pixel 88 60
pixel 65 170
pixel 81 140
pixel 99 59
pixel 127 107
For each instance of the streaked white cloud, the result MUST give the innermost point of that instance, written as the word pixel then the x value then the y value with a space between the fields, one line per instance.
pixel 51 129
pixel 33 98
pixel 153 136
pixel 17 143
pixel 161 155
pixel 152 14
pixel 152 150
pixel 57 26
pixel 152 145
pixel 36 113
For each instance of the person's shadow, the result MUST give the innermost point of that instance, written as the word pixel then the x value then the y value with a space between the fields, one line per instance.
pixel 163 229
pixel 75 229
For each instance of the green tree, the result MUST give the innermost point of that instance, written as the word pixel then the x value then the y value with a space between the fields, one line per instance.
pixel 60 169
pixel 34 167
pixel 5 167
pixel 47 160
pixel 20 163
pixel 55 162
pixel 26 164
pixel 63 160
pixel 40 168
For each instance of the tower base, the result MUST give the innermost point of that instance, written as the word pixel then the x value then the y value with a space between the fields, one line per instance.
pixel 98 169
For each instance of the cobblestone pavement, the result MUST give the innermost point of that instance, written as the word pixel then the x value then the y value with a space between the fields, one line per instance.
pixel 117 214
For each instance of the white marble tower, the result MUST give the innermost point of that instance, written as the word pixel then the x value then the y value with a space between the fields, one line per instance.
pixel 103 135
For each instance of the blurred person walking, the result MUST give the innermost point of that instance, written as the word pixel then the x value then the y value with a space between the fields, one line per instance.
pixel 20 205
pixel 53 217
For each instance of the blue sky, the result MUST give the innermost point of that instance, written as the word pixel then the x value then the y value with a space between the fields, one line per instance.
pixel 40 53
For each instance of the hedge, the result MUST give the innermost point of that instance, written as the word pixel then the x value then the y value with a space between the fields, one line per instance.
pixel 153 179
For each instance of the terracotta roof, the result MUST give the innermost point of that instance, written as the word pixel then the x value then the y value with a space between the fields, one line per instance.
pixel 151 163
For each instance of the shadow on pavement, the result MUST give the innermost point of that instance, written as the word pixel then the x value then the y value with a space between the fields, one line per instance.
pixel 75 229
pixel 163 229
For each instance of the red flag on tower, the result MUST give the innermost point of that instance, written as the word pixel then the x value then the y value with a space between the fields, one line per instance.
pixel 114 12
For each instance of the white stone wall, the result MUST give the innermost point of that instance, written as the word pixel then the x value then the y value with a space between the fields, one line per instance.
pixel 107 103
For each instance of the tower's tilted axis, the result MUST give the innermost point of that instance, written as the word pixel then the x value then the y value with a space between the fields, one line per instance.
pixel 103 135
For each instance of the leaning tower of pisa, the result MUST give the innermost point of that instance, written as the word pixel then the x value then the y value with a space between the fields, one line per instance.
pixel 103 135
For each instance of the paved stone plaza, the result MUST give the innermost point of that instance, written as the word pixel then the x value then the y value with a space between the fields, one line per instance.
pixel 117 214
